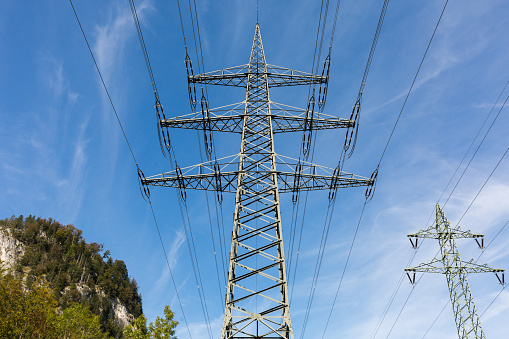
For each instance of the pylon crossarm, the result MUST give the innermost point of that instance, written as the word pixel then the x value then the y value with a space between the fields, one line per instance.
pixel 231 121
pixel 436 266
pixel 205 176
pixel 222 119
pixel 432 233
pixel 277 76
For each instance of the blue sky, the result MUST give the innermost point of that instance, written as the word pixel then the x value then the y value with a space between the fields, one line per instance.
pixel 62 154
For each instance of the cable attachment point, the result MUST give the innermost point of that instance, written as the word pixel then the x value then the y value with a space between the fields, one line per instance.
pixel 207 129
pixel 180 180
pixel 322 93
pixel 501 279
pixel 219 186
pixel 162 132
pixel 296 182
pixel 352 131
pixel 308 126
pixel 411 278
pixel 191 87
pixel 370 190
pixel 333 184
pixel 414 245
pixel 480 244
pixel 145 191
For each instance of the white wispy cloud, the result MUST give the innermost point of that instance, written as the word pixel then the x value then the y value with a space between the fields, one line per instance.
pixel 73 187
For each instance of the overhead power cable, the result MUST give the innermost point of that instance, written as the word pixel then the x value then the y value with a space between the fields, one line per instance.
pixel 382 15
pixel 181 196
pixel 208 144
pixel 351 135
pixel 308 142
pixel 413 82
pixel 332 194
pixel 307 138
pixel 136 163
pixel 207 131
pixel 479 146
pixel 470 147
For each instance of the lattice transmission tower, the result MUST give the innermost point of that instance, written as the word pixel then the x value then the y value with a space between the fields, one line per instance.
pixel 257 304
pixel 449 263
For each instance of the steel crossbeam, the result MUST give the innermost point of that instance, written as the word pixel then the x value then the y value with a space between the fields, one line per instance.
pixel 231 120
pixel 465 313
pixel 312 177
pixel 275 76
pixel 256 297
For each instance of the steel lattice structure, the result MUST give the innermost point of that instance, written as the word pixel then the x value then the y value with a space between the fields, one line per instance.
pixel 467 320
pixel 257 303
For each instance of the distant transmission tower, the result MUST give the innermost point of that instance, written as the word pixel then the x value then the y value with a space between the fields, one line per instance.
pixel 257 296
pixel 456 270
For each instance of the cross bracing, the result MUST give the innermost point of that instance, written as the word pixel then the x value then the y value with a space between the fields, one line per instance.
pixel 275 76
pixel 284 118
pixel 257 304
pixel 221 175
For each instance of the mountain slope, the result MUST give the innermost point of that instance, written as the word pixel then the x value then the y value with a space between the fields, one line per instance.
pixel 36 248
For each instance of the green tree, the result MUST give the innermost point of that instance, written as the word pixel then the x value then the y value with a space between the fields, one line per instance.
pixel 78 322
pixel 25 314
pixel 162 328
pixel 137 330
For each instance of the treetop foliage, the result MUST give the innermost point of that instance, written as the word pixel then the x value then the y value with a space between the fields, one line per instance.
pixel 74 270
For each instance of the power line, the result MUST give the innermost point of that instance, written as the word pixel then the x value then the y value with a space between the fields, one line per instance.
pixel 332 200
pixel 413 82
pixel 472 143
pixel 134 158
pixel 332 193
pixel 306 137
pixel 355 116
pixel 484 137
pixel 104 84
pixel 181 196
pixel 375 174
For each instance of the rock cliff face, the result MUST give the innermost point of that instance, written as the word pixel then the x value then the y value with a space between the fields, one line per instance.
pixel 11 250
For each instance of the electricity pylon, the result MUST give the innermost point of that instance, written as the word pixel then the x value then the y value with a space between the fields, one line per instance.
pixel 467 320
pixel 257 304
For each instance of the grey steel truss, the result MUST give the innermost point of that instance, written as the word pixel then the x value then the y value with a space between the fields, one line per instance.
pixel 468 323
pixel 257 296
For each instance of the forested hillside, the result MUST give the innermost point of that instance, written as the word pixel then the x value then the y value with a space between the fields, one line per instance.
pixel 79 277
